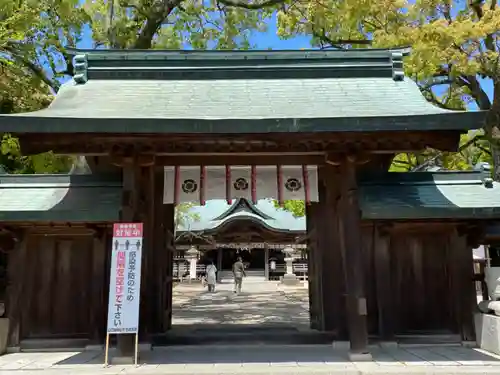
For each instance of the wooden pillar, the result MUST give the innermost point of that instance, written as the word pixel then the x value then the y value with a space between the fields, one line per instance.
pixel 17 260
pixel 313 268
pixel 463 288
pixel 156 253
pixel 169 230
pixel 266 262
pixel 99 284
pixel 138 206
pixel 350 234
pixel 332 281
pixel 383 282
pixel 219 264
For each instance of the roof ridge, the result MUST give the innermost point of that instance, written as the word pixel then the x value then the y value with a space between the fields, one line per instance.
pixel 180 64
pixel 246 206
pixel 106 54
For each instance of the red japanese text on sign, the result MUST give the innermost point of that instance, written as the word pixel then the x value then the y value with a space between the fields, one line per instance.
pixel 127 230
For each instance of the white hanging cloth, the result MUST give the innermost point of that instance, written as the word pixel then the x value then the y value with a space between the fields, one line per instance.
pixel 188 185
pixel 293 185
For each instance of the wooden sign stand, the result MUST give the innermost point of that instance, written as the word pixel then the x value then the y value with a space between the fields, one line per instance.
pixel 106 350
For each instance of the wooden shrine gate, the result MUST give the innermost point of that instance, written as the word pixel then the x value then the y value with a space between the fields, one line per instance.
pixel 334 226
pixel 132 113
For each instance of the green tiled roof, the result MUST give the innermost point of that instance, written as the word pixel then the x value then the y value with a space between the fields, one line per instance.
pixel 412 196
pixel 245 92
pixel 59 198
pixel 426 195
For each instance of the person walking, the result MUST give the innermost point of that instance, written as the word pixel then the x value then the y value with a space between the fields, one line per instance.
pixel 238 274
pixel 211 274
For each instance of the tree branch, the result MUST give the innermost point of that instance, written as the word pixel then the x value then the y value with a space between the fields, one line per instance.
pixel 470 142
pixel 31 66
pixel 154 23
pixel 251 6
pixel 339 43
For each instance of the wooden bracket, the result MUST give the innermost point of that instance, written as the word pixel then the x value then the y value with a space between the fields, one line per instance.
pixel 358 158
pixel 384 229
pixel 333 158
pixel 16 233
pixel 98 232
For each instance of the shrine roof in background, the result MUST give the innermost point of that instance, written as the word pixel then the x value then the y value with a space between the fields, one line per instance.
pixel 233 92
pixel 389 196
pixel 217 214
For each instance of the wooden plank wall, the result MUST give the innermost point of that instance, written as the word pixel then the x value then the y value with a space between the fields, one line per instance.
pixel 411 283
pixel 64 293
pixel 61 284
pixel 421 287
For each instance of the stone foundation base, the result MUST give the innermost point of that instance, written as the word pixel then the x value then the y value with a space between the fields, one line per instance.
pixel 290 280
pixel 388 344
pixel 488 332
pixel 4 334
pixel 341 345
pixel 360 357
pixel 122 360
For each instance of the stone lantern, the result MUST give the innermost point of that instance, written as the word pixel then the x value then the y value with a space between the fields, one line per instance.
pixel 289 278
pixel 192 256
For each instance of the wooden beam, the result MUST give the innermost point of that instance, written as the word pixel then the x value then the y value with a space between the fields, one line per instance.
pixel 241 159
pixel 379 142
pixel 350 231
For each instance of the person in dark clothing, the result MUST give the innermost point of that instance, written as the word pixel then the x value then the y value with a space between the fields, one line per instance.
pixel 238 274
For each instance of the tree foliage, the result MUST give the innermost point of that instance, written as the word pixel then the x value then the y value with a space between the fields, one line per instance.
pixel 454 45
pixel 184 215
pixel 33 34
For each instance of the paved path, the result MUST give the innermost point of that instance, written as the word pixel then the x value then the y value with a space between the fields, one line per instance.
pixel 264 305
pixel 239 360
pixel 260 303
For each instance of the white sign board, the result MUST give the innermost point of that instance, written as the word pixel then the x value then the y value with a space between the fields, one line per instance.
pixel 125 279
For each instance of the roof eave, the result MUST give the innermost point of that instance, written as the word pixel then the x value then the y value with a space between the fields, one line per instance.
pixel 66 216
pixel 437 213
pixel 30 123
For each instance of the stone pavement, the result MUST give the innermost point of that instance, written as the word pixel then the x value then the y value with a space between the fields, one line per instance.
pixel 262 303
pixel 262 359
pixel 262 306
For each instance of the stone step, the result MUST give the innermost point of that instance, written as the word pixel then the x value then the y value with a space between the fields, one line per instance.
pixel 262 336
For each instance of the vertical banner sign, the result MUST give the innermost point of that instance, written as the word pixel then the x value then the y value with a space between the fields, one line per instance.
pixel 125 279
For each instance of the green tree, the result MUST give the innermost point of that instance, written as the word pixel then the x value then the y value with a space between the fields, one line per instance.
pixel 454 45
pixel 35 33
pixel 32 33
pixel 296 207
pixel 184 215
